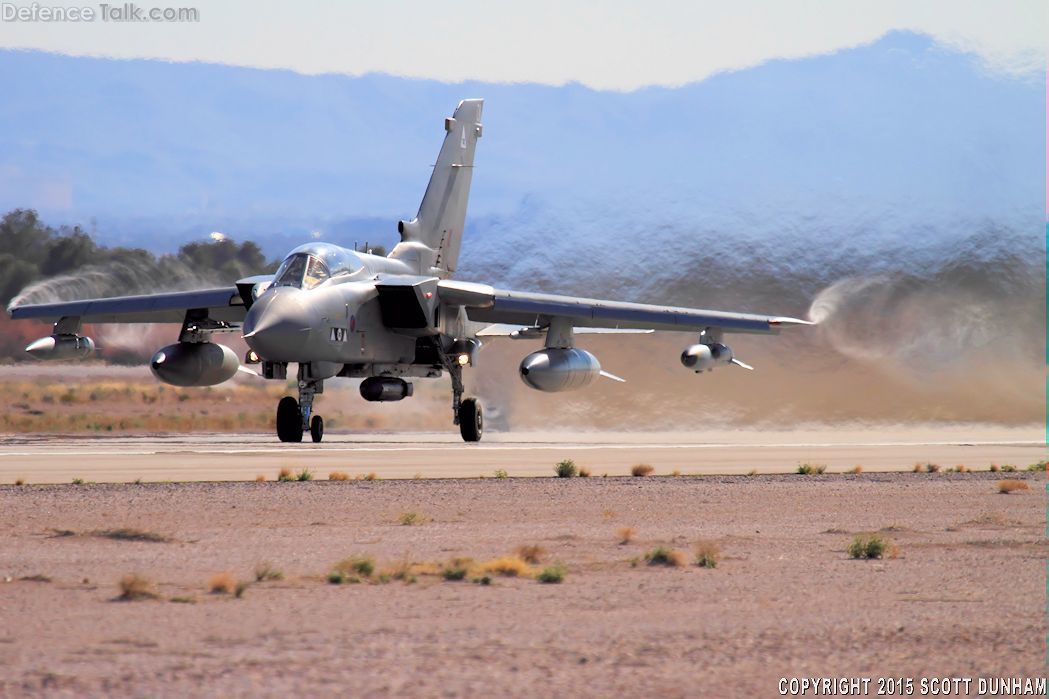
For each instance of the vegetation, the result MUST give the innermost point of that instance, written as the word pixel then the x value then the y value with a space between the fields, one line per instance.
pixel 707 554
pixel 261 478
pixel 531 553
pixel 222 584
pixel 304 475
pixel 135 587
pixel 662 556
pixel 359 564
pixel 551 574
pixel 508 566
pixel 1040 466
pixel 284 475
pixel 127 534
pixel 265 572
pixel 641 470
pixel 410 518
pixel 584 472
pixel 1008 468
pixel 566 469
pixel 501 473
pixel 811 469
pixel 455 571
pixel 78 481
pixel 1010 485
pixel 856 470
pixel 867 546
pixel 625 534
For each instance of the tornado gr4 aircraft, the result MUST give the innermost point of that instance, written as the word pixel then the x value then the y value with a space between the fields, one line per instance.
pixel 341 313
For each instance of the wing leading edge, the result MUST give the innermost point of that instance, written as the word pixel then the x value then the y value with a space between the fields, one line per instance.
pixel 490 305
pixel 222 304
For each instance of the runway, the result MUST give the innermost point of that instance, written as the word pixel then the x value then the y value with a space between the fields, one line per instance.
pixel 233 457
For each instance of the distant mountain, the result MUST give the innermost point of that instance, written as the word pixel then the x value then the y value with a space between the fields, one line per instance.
pixel 900 144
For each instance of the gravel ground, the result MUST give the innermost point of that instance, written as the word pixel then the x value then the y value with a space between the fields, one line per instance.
pixel 964 597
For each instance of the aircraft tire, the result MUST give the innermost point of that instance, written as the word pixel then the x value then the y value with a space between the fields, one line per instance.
pixel 289 420
pixel 317 428
pixel 471 420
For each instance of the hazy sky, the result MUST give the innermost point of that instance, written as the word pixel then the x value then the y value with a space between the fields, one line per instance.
pixel 615 44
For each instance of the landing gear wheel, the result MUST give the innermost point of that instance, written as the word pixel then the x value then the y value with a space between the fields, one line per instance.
pixel 289 420
pixel 317 428
pixel 471 420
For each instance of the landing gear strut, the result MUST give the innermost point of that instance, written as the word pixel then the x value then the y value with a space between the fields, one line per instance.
pixel 466 412
pixel 294 416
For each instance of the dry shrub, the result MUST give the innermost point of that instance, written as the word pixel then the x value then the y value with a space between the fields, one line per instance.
pixel 609 514
pixel 584 472
pixel 20 481
pixel 222 584
pixel 261 478
pixel 135 587
pixel 509 566
pixel 361 565
pixel 752 472
pixel 676 472
pixel 961 468
pixel 566 469
pixel 1010 485
pixel 662 556
pixel 857 469
pixel 338 476
pixel 531 553
pixel 625 534
pixel 410 518
pixel 284 475
pixel 707 554
pixel 371 476
pixel 917 468
pixel 265 572
pixel 932 468
pixel 994 468
pixel 641 470
pixel 811 469
pixel 128 534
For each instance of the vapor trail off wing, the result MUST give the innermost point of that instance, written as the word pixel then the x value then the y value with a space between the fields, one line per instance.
pixel 222 304
pixel 487 304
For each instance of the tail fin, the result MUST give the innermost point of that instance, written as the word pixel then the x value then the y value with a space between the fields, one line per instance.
pixel 432 238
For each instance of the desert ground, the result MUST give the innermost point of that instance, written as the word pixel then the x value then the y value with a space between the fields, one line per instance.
pixel 959 590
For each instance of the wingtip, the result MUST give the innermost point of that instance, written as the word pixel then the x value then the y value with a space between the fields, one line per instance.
pixel 788 321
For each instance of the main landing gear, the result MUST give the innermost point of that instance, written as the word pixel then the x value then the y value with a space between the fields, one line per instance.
pixel 466 412
pixel 294 417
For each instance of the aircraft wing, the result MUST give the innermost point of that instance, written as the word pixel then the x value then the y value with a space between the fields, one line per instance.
pixel 487 304
pixel 222 304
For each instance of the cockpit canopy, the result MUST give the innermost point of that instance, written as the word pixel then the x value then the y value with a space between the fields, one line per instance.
pixel 310 265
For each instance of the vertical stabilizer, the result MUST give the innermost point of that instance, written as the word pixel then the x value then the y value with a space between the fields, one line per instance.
pixel 433 237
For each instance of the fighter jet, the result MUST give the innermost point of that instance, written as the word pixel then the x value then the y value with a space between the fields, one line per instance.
pixel 335 312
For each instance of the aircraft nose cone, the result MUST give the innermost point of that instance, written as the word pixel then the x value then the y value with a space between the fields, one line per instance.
pixel 278 326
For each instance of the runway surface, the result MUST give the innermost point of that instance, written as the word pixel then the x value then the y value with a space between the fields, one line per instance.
pixel 224 457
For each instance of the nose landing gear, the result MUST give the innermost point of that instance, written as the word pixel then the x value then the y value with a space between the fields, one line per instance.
pixel 294 417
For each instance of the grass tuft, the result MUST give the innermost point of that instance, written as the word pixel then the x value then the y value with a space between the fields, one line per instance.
pixel 183 599
pixel 21 481
pixel 359 564
pixel 127 534
pixel 455 570
pixel 870 546
pixel 1008 468
pixel 261 478
pixel 508 566
pixel 265 572
pixel 811 469
pixel 338 476
pixel 566 469
pixel 304 475
pixel 284 475
pixel 134 587
pixel 531 553
pixel 1040 466
pixel 857 469
pixel 78 481
pixel 752 472
pixel 994 468
pixel 1010 485
pixel 501 473
pixel 370 476
pixel 222 584
pixel 676 472
pixel 584 472
pixel 409 518
pixel 662 556
pixel 641 470
pixel 961 468
pixel 625 534
pixel 554 574
pixel 707 554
